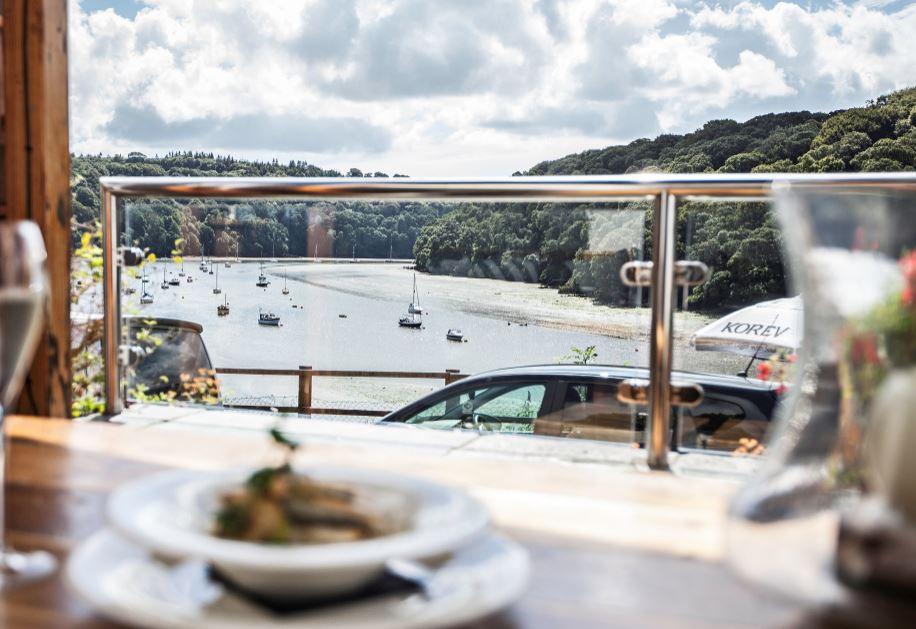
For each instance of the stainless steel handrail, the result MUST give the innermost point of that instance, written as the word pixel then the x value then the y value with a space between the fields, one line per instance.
pixel 666 189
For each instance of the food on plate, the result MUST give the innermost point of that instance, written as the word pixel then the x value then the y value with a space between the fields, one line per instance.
pixel 277 505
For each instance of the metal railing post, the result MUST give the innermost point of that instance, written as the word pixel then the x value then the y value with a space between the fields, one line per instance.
pixel 662 291
pixel 305 389
pixel 111 338
pixel 450 375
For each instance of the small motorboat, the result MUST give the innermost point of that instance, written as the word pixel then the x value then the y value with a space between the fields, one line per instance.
pixel 410 320
pixel 174 281
pixel 146 298
pixel 454 335
pixel 268 318
pixel 189 279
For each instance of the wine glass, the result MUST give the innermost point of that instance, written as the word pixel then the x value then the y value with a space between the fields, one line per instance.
pixel 23 288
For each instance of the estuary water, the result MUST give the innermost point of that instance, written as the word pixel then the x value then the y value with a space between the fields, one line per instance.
pixel 341 315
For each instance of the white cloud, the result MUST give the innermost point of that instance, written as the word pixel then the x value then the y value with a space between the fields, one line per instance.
pixel 462 86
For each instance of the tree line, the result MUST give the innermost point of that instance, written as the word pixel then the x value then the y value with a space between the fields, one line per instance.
pixel 251 228
pixel 580 249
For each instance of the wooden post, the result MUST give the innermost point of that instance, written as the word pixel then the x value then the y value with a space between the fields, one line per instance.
pixel 36 177
pixel 305 389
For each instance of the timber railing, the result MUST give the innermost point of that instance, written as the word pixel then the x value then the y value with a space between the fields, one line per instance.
pixel 306 375
pixel 665 191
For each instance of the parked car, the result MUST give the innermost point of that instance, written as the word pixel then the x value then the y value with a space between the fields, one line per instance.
pixel 163 351
pixel 580 402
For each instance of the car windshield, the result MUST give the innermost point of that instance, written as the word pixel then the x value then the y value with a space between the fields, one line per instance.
pixel 499 408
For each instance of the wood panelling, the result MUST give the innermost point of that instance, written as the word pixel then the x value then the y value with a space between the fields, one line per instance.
pixel 36 175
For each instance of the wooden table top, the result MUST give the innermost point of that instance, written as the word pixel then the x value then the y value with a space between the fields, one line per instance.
pixel 607 549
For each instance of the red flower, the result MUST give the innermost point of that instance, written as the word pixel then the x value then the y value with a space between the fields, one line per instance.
pixel 865 349
pixel 782 388
pixel 764 371
pixel 908 265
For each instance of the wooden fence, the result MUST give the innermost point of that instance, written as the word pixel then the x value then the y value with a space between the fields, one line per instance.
pixel 307 374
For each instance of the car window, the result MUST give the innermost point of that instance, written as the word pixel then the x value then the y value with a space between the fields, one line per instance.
pixel 719 423
pixel 592 411
pixel 497 408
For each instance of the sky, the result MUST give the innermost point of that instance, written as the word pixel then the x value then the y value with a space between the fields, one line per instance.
pixel 446 88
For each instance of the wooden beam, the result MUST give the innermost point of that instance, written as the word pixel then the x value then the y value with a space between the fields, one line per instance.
pixel 36 174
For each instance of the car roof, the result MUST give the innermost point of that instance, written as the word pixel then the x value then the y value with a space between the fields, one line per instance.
pixel 602 372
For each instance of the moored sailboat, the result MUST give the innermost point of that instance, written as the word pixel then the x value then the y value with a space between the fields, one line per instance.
pixel 414 307
pixel 411 320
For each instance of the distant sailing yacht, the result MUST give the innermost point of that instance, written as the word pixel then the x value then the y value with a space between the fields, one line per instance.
pixel 164 285
pixel 414 307
pixel 216 289
pixel 410 321
pixel 262 279
pixel 181 271
pixel 223 309
pixel 146 297
pixel 285 289
pixel 174 281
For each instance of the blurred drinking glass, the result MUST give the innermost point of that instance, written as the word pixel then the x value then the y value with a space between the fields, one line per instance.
pixel 23 289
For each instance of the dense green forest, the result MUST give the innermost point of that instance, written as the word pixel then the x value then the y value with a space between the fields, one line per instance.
pixel 581 250
pixel 254 228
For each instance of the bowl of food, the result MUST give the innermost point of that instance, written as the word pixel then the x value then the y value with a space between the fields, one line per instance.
pixel 295 533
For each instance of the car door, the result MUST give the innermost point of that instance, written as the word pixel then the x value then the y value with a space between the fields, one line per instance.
pixel 589 409
pixel 489 407
pixel 723 419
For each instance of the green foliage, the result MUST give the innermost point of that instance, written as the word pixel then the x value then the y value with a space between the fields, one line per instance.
pixel 253 228
pixel 581 356
pixel 560 246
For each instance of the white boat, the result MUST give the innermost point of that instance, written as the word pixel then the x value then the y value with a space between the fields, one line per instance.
pixel 268 318
pixel 262 279
pixel 164 285
pixel 285 289
pixel 181 272
pixel 410 320
pixel 454 335
pixel 414 307
pixel 146 298
pixel 216 289
pixel 189 279
pixel 174 281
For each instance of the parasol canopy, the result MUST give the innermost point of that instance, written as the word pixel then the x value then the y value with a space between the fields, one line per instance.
pixel 765 328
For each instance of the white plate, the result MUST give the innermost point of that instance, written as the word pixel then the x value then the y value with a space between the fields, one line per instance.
pixel 121 580
pixel 171 514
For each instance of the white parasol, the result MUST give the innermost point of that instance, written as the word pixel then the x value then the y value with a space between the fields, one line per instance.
pixel 765 328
